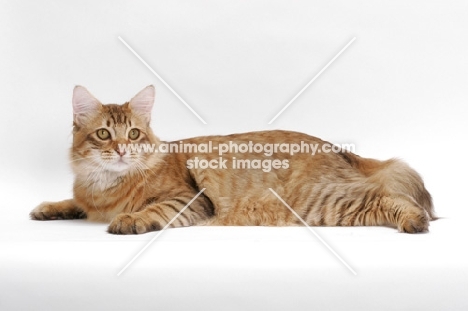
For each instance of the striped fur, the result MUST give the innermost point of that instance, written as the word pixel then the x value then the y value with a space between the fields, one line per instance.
pixel 149 189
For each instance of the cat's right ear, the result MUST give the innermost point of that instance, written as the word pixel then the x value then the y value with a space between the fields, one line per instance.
pixel 85 105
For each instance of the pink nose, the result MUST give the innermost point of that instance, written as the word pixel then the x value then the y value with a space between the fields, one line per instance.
pixel 121 153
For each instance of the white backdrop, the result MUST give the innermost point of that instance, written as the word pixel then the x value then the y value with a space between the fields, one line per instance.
pixel 399 90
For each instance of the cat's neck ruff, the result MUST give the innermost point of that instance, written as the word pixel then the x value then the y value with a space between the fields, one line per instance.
pixel 103 180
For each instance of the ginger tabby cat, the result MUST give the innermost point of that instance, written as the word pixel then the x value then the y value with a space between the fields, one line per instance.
pixel 139 192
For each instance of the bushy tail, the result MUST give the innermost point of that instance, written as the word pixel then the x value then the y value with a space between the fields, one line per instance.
pixel 396 178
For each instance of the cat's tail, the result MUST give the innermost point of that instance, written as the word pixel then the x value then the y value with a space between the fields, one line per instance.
pixel 395 177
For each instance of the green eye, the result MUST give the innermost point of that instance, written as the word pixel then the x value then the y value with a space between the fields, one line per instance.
pixel 134 134
pixel 103 134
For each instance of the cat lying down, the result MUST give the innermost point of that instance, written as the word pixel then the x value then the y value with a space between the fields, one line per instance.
pixel 126 176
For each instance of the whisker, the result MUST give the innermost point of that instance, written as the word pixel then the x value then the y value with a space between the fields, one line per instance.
pixel 85 158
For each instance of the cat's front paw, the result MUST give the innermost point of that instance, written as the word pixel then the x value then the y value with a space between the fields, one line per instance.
pixel 56 210
pixel 132 224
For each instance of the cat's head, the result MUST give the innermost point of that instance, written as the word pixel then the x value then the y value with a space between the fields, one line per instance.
pixel 101 131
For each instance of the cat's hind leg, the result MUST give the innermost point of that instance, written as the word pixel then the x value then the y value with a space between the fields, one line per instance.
pixel 407 216
pixel 57 210
pixel 400 212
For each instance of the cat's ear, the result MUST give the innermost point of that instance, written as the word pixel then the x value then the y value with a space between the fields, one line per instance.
pixel 142 102
pixel 85 105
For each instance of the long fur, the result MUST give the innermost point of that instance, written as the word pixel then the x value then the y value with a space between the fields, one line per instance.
pixel 140 192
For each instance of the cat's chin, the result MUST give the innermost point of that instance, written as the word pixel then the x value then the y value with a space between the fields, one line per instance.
pixel 119 167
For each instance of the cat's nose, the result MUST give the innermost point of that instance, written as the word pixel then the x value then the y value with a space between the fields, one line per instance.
pixel 120 152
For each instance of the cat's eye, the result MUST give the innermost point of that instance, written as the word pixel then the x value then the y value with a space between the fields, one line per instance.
pixel 134 134
pixel 103 134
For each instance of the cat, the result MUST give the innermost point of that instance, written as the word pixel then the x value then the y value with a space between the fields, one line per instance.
pixel 138 192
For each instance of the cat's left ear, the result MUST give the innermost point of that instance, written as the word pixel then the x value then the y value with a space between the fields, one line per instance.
pixel 143 102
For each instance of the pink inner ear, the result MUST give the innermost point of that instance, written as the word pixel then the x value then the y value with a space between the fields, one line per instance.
pixel 143 102
pixel 83 101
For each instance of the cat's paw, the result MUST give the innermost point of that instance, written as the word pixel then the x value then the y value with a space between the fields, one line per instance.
pixel 132 224
pixel 414 221
pixel 55 211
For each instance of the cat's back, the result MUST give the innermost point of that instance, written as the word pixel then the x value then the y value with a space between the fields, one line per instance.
pixel 271 136
pixel 268 158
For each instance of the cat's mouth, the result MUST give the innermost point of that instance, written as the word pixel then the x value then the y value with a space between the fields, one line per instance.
pixel 121 160
pixel 119 165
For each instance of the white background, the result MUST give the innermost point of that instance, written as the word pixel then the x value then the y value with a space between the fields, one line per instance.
pixel 398 91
